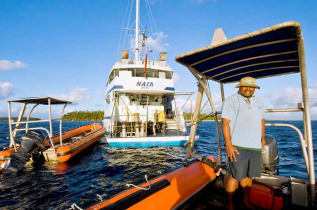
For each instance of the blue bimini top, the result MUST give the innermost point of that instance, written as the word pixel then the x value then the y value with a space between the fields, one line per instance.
pixel 245 120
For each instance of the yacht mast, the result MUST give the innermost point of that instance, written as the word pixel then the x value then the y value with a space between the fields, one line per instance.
pixel 137 31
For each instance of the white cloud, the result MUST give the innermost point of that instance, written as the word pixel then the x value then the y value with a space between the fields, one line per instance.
pixel 9 65
pixel 314 85
pixel 155 42
pixel 290 97
pixel 77 95
pixel 6 89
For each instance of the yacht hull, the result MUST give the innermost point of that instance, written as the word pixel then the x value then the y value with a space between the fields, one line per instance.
pixel 148 141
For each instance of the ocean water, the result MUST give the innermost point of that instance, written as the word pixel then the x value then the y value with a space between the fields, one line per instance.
pixel 105 171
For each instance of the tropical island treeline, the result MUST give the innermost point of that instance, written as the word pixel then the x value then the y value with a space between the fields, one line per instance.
pixel 84 116
pixel 99 115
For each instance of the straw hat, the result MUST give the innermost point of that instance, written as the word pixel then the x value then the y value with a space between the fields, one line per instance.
pixel 247 82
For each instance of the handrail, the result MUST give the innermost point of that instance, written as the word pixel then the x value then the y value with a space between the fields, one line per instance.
pixel 27 119
pixel 284 110
pixel 38 128
pixel 35 121
pixel 302 141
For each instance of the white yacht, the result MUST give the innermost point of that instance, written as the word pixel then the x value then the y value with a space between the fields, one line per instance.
pixel 140 105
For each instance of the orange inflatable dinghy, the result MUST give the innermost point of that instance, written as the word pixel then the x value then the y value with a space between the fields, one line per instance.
pixel 165 192
pixel 80 138
pixel 73 142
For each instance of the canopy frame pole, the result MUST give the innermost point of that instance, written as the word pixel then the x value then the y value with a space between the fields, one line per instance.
pixel 222 92
pixel 195 119
pixel 306 117
pixel 60 126
pixel 12 141
pixel 306 113
pixel 14 131
pixel 203 83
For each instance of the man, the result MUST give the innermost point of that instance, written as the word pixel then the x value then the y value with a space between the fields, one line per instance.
pixel 169 106
pixel 243 129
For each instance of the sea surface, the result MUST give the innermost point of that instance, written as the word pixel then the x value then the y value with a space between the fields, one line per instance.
pixel 105 171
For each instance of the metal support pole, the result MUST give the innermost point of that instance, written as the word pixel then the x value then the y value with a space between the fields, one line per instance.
pixel 50 118
pixel 222 92
pixel 202 82
pixel 17 126
pixel 27 120
pixel 193 128
pixel 302 63
pixel 12 141
pixel 60 126
pixel 191 107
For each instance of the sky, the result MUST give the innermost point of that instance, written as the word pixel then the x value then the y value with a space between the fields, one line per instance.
pixel 66 49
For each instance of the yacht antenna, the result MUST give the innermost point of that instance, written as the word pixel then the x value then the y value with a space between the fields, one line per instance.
pixel 137 31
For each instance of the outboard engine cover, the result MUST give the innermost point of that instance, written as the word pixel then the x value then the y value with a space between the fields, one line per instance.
pixel 270 158
pixel 31 142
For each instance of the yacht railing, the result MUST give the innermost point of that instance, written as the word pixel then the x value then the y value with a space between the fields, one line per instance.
pixel 134 121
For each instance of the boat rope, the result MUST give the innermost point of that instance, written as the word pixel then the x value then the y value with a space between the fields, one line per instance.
pixel 196 119
pixel 219 169
pixel 141 188
pixel 126 23
pixel 74 206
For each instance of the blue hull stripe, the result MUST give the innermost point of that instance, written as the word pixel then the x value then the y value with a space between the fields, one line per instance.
pixel 114 88
pixel 147 144
pixel 170 88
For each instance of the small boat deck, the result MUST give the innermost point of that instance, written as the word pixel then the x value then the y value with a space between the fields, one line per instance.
pixel 170 132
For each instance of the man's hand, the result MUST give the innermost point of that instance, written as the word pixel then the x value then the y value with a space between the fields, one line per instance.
pixel 230 151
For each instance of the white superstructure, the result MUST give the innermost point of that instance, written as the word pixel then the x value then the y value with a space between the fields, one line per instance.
pixel 140 101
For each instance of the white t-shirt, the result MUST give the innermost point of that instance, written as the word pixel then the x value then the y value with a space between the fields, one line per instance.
pixel 245 120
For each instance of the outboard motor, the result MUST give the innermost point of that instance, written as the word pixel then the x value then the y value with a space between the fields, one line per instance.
pixel 32 143
pixel 270 158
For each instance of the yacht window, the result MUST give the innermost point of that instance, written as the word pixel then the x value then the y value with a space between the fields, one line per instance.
pixel 152 73
pixel 133 99
pixel 113 74
pixel 108 99
pixel 144 99
pixel 168 75
pixel 156 74
pixel 149 72
pixel 116 99
pixel 139 72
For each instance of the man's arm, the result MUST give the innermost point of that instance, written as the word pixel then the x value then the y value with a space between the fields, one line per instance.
pixel 263 133
pixel 230 149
